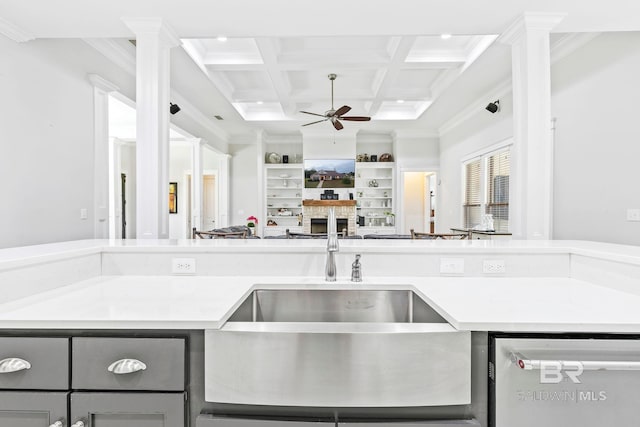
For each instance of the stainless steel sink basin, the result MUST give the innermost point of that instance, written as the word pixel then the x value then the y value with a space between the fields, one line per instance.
pixel 335 305
pixel 337 348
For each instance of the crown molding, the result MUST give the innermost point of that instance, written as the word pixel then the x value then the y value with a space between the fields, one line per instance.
pixel 474 107
pixel 530 21
pixel 14 32
pixel 153 26
pixel 569 43
pixel 102 83
pixel 115 52
pixel 189 109
pixel 414 134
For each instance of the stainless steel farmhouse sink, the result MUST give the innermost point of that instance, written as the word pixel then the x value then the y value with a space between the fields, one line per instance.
pixel 337 348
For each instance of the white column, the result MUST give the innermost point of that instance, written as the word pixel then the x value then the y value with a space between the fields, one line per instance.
pixel 153 43
pixel 101 90
pixel 531 184
pixel 223 191
pixel 196 182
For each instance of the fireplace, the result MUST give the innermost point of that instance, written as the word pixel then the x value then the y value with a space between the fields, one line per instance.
pixel 315 212
pixel 319 225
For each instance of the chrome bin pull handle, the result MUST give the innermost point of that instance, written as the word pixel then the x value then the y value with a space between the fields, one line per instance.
pixel 13 364
pixel 126 366
pixel 523 362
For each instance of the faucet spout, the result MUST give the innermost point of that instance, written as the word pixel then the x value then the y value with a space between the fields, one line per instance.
pixel 332 246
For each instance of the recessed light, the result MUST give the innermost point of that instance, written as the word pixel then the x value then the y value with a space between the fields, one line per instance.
pixel 259 102
pixel 445 36
pixel 221 38
pixel 400 101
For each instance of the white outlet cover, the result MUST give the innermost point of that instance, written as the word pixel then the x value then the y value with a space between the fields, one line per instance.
pixel 451 265
pixel 493 266
pixel 183 266
pixel 633 214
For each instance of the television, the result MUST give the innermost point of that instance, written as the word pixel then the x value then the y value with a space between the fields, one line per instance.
pixel 329 173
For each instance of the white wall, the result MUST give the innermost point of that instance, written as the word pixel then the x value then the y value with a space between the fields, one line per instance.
pixel 595 97
pixel 483 130
pixel 596 100
pixel 128 165
pixel 46 146
pixel 243 183
pixel 179 166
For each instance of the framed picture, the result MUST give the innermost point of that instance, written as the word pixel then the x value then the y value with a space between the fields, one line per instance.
pixel 173 197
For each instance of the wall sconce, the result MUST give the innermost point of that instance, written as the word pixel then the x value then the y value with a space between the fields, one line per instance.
pixel 173 108
pixel 493 107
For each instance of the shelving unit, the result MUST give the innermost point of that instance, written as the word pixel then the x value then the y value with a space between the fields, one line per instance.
pixel 283 193
pixel 374 192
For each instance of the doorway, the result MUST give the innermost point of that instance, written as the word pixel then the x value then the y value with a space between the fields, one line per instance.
pixel 209 201
pixel 418 201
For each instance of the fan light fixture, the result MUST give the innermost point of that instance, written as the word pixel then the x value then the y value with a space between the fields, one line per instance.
pixel 493 107
pixel 173 108
pixel 333 115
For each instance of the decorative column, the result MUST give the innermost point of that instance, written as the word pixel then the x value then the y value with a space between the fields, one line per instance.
pixel 153 43
pixel 101 90
pixel 532 167
pixel 196 182
pixel 223 190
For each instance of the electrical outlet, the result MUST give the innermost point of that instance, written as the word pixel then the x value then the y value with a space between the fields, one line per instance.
pixel 633 214
pixel 451 265
pixel 183 266
pixel 83 213
pixel 493 266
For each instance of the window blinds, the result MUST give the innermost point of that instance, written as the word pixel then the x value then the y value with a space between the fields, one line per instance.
pixel 498 171
pixel 472 199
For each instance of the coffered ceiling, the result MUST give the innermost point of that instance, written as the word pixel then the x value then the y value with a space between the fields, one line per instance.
pixel 385 77
pixel 390 60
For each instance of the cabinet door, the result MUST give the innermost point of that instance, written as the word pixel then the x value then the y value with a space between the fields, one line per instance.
pixel 32 409
pixel 128 409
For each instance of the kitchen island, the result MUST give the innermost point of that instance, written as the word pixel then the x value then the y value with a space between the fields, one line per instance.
pixel 121 289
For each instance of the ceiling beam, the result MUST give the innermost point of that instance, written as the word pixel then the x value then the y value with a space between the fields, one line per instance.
pixel 393 69
pixel 281 85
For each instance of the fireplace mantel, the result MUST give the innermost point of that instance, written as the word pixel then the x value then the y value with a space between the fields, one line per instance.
pixel 328 203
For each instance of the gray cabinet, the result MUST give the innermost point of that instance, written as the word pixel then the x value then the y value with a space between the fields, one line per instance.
pixel 102 382
pixel 128 409
pixel 33 409
pixel 106 368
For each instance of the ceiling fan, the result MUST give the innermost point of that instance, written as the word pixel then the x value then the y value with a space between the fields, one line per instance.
pixel 336 115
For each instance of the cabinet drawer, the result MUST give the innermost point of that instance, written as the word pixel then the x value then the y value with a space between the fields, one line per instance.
pixel 163 362
pixel 37 363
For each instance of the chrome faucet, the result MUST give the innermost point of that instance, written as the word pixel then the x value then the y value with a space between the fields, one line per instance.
pixel 332 246
pixel 356 270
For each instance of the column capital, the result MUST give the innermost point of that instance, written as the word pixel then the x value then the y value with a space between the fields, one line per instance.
pixel 528 21
pixel 102 83
pixel 153 26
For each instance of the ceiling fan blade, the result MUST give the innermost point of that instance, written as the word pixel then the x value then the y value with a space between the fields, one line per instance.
pixel 313 123
pixel 342 110
pixel 356 118
pixel 313 114
pixel 337 125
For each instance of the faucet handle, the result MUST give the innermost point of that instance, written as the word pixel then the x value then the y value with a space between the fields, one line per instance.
pixel 356 270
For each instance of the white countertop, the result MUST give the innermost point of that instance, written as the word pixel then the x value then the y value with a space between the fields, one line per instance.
pixel 198 302
pixel 524 304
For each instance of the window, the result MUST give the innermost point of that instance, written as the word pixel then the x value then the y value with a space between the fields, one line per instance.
pixel 472 202
pixel 486 189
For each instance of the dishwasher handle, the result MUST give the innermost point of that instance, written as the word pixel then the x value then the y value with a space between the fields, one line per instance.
pixel 523 362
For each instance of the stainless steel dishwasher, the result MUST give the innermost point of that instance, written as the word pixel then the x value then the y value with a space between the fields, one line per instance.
pixel 569 380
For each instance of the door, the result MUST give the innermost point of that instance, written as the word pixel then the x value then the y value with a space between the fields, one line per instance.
pixel 416 202
pixel 208 202
pixel 128 409
pixel 33 409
